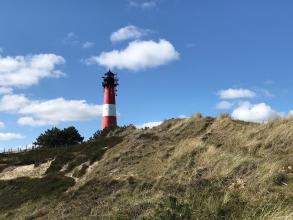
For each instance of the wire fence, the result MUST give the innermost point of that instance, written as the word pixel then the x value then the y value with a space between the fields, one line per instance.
pixel 15 150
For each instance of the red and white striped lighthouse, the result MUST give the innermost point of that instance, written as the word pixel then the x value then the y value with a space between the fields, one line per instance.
pixel 110 82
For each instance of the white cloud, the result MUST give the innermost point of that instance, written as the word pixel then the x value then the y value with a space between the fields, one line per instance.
pixel 290 113
pixel 12 103
pixel 254 112
pixel 143 4
pixel 2 125
pixel 183 116
pixel 152 124
pixel 10 136
pixel 21 71
pixel 58 110
pixel 149 124
pixel 51 112
pixel 30 121
pixel 87 44
pixel 128 33
pixel 138 55
pixel 236 93
pixel 224 105
pixel 5 90
pixel 150 4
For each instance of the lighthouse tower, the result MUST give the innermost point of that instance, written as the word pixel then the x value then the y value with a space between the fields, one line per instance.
pixel 110 82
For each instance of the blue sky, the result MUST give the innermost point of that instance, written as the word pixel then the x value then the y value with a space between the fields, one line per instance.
pixel 174 58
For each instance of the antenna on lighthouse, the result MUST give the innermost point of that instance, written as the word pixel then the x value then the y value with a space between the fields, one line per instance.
pixel 110 83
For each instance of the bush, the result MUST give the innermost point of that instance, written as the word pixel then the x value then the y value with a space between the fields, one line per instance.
pixel 72 136
pixel 172 209
pixel 110 131
pixel 55 137
pixel 280 179
pixel 197 116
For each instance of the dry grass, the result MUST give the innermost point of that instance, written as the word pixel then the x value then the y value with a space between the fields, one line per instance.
pixel 215 168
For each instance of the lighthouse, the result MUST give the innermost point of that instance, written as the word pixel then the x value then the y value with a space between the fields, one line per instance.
pixel 110 82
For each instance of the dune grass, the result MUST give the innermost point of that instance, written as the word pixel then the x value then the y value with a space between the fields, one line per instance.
pixel 195 168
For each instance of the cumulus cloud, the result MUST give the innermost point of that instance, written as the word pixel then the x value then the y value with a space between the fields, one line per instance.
pixel 10 136
pixel 236 93
pixel 5 90
pixel 129 32
pixel 254 112
pixel 2 125
pixel 149 124
pixel 22 71
pixel 50 112
pixel 224 105
pixel 12 103
pixel 152 124
pixel 58 110
pixel 290 113
pixel 143 4
pixel 138 55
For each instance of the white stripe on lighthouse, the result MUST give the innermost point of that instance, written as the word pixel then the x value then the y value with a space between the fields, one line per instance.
pixel 109 110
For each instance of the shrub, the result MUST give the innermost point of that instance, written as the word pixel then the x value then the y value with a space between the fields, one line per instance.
pixel 55 137
pixel 280 179
pixel 172 209
pixel 197 116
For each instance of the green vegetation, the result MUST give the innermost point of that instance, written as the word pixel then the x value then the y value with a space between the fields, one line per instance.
pixel 171 209
pixel 196 168
pixel 55 137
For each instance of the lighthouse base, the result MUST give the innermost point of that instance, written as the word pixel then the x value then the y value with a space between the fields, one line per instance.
pixel 109 121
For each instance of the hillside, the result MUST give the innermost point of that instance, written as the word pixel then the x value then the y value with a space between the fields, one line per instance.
pixel 195 168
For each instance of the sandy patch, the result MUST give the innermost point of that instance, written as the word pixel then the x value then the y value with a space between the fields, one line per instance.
pixel 31 171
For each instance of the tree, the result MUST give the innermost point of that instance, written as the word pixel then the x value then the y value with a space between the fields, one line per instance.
pixel 72 136
pixel 55 137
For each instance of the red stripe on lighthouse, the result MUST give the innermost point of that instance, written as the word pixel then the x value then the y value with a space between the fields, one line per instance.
pixel 109 95
pixel 109 121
